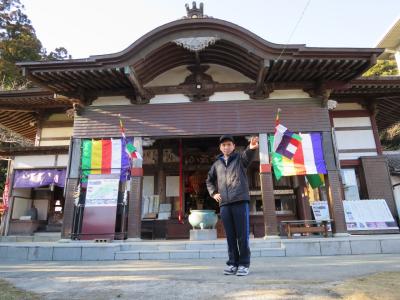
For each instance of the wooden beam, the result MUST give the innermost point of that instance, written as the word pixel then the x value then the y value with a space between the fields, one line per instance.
pixel 262 74
pixel 261 91
pixel 142 94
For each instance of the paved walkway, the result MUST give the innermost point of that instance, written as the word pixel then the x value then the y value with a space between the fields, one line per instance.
pixel 270 278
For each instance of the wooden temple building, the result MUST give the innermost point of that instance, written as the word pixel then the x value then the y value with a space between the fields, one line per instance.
pixel 177 89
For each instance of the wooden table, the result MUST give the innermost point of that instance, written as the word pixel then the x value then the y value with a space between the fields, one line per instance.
pixel 305 226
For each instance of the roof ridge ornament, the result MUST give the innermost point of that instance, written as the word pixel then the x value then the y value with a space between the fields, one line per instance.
pixel 194 12
pixel 195 44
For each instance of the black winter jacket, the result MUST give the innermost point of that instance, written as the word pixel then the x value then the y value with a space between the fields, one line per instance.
pixel 230 180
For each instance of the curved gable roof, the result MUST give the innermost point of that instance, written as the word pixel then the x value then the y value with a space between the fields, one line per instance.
pixel 236 48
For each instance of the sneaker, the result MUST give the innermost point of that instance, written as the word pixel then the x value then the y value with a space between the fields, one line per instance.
pixel 230 270
pixel 242 271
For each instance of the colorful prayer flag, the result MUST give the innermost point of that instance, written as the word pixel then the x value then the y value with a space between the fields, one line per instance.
pixel 130 148
pixel 286 142
pixel 104 157
pixel 307 160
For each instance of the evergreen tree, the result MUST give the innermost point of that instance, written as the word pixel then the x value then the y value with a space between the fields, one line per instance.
pixel 18 43
pixel 382 68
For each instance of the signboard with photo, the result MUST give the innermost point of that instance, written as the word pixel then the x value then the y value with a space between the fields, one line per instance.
pixel 368 215
pixel 102 190
pixel 100 206
pixel 320 210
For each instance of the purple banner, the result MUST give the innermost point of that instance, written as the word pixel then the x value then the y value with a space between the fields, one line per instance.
pixel 39 177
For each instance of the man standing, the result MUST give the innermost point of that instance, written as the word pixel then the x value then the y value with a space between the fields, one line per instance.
pixel 227 183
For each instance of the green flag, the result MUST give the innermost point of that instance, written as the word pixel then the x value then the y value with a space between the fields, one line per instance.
pixel 316 180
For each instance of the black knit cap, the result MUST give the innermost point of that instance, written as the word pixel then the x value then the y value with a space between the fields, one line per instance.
pixel 226 137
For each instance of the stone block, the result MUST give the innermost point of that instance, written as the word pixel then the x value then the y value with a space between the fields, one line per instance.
pixel 390 246
pixel 185 254
pixel 9 239
pixel 213 253
pixel 222 246
pixel 18 253
pixel 172 247
pixel 272 252
pixel 265 244
pixel 67 253
pixel 139 247
pixel 255 252
pixel 153 255
pixel 203 234
pixel 24 238
pixel 127 255
pixel 40 253
pixel 46 238
pixel 335 248
pixel 3 252
pixel 365 247
pixel 98 253
pixel 200 246
pixel 302 248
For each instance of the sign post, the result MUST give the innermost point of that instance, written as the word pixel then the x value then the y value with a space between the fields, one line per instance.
pixel 100 207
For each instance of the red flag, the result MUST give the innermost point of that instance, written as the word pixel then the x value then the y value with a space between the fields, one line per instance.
pixel 5 194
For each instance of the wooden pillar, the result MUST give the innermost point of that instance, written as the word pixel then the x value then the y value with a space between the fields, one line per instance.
pixel 267 189
pixel 377 180
pixel 333 187
pixel 70 188
pixel 161 179
pixel 303 200
pixel 135 195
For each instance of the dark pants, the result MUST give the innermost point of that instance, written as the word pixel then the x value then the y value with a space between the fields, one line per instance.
pixel 235 218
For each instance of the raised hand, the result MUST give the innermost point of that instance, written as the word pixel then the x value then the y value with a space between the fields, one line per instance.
pixel 253 142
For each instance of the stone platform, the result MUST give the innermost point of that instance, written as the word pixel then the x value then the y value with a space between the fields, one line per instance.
pixel 185 249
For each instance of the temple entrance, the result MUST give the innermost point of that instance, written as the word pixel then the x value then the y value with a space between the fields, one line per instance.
pixel 167 195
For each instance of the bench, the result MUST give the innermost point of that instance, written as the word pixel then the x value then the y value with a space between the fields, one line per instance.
pixel 305 227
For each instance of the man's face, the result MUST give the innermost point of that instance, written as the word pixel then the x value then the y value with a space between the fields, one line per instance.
pixel 227 147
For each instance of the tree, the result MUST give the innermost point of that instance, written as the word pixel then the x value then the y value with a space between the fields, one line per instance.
pixel 383 68
pixel 390 137
pixel 59 53
pixel 18 42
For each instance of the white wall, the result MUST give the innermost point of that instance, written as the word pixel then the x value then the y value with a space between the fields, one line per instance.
pixel 355 139
pixel 62 160
pixel 219 74
pixel 288 94
pixel 229 96
pixel 56 135
pixel 21 205
pixel 34 161
pixel 57 132
pixel 39 161
pixel 171 98
pixel 348 106
pixel 350 136
pixel 115 100
pixel 352 122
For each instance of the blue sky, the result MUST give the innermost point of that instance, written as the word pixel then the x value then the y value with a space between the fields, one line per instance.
pixel 94 27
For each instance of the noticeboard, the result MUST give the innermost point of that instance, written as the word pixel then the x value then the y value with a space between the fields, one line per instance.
pixel 368 215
